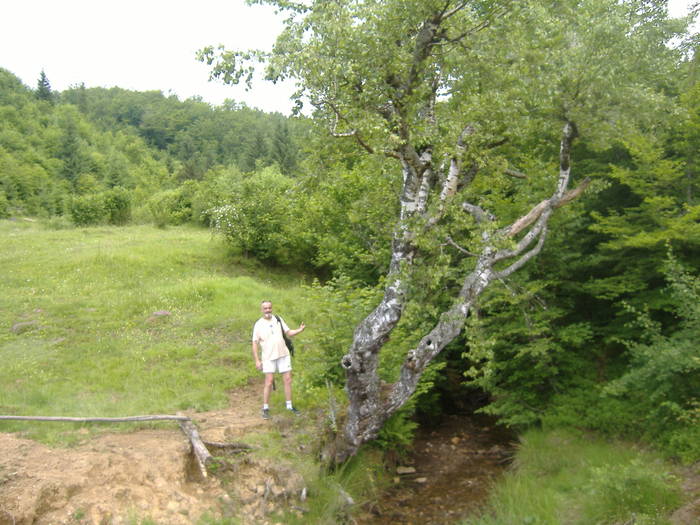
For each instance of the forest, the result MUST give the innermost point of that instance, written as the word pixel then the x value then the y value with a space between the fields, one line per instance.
pixel 598 327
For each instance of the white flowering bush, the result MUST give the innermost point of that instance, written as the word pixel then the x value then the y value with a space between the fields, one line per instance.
pixel 259 216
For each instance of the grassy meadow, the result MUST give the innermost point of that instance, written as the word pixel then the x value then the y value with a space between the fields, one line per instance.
pixel 82 330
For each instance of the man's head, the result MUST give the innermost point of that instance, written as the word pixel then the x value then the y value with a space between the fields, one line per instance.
pixel 266 308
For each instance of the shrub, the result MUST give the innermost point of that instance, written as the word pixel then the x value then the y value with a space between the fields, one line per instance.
pixel 663 378
pixel 4 206
pixel 117 204
pixel 170 207
pixel 683 442
pixel 86 210
pixel 257 216
pixel 398 431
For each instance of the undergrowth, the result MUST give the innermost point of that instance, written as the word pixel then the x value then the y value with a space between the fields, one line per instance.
pixel 562 477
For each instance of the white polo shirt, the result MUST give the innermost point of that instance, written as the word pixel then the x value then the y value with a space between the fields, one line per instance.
pixel 268 334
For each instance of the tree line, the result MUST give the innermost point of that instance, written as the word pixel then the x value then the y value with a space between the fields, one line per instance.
pixel 97 155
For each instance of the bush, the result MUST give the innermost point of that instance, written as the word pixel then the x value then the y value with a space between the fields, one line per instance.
pixel 170 207
pixel 86 210
pixel 663 379
pixel 4 206
pixel 117 204
pixel 682 442
pixel 258 218
pixel 341 304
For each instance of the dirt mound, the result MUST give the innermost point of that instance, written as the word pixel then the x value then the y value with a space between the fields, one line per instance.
pixel 118 478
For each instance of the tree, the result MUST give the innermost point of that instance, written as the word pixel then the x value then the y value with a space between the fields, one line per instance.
pixel 43 88
pixel 452 91
pixel 283 151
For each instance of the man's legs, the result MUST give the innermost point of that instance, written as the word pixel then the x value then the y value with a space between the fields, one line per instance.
pixel 283 365
pixel 267 388
pixel 287 378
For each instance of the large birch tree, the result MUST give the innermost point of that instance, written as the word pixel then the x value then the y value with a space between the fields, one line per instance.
pixel 447 89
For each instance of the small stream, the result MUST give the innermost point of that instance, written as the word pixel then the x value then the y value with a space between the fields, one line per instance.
pixel 447 476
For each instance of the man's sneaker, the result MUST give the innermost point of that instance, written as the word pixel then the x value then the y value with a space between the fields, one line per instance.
pixel 266 413
pixel 294 411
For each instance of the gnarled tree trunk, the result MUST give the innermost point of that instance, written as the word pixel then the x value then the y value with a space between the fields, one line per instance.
pixel 369 409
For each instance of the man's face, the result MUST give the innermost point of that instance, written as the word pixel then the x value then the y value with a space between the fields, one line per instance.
pixel 266 310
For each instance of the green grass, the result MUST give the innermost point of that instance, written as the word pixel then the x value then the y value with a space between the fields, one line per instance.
pixel 563 478
pixel 90 345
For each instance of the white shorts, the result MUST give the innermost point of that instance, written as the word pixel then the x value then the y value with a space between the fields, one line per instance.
pixel 281 365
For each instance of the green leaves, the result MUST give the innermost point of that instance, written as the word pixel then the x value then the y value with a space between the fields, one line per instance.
pixel 257 216
pixel 230 66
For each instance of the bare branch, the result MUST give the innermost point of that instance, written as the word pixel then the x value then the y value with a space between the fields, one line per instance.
pixel 525 258
pixel 452 243
pixel 552 203
pixel 479 27
pixel 515 173
pixel 351 133
pixel 456 9
pixel 477 212
pixel 527 239
pixel 573 194
pixel 526 220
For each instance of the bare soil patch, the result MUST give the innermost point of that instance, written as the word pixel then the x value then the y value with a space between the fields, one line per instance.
pixel 119 478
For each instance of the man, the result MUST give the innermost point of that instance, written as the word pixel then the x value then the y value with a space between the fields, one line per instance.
pixel 271 354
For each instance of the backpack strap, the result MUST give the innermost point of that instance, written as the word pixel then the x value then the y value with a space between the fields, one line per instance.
pixel 287 340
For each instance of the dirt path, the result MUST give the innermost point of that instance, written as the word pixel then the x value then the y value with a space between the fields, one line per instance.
pixel 116 478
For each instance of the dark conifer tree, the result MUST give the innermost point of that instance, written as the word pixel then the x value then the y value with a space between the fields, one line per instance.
pixel 283 150
pixel 43 88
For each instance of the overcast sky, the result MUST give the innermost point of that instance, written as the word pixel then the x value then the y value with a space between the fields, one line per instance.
pixel 142 45
pixel 136 44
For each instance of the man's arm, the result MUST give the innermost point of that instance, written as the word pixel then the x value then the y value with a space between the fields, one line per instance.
pixel 292 333
pixel 258 363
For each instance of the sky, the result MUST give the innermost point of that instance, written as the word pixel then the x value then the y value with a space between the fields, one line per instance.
pixel 139 45
pixel 144 45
